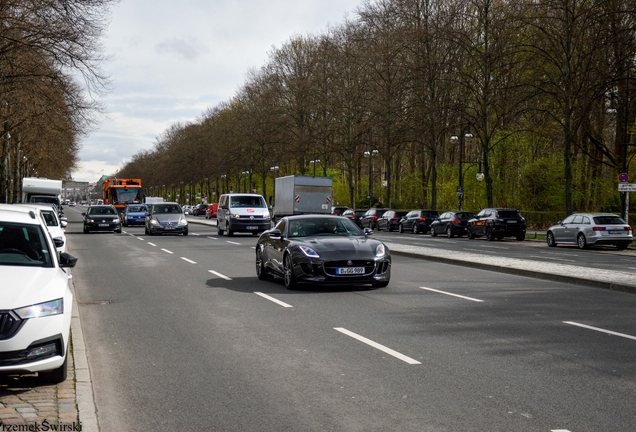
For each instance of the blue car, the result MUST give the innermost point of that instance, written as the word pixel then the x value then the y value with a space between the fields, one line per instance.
pixel 134 214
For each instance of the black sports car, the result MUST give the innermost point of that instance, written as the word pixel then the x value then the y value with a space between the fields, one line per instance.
pixel 320 249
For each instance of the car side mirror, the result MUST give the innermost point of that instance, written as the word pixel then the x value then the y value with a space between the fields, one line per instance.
pixel 83 213
pixel 64 222
pixel 58 242
pixel 276 233
pixel 67 260
pixel 368 231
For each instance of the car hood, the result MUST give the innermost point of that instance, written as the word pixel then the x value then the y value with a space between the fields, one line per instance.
pixel 250 211
pixel 24 286
pixel 342 247
pixel 172 217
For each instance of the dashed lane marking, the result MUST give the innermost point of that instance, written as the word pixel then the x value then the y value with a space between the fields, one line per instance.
pixel 600 330
pixel 376 345
pixel 152 244
pixel 272 299
pixel 231 242
pixel 188 260
pixel 167 251
pixel 454 295
pixel 222 276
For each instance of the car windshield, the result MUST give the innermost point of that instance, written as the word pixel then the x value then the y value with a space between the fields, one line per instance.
pixel 609 220
pixel 465 215
pixel 24 245
pixel 166 208
pixel 102 211
pixel 49 217
pixel 323 227
pixel 135 209
pixel 247 201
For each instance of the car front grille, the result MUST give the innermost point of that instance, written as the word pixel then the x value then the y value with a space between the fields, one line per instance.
pixel 331 266
pixel 9 325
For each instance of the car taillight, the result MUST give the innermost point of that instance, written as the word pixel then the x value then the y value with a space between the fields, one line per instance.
pixel 375 218
pixel 396 218
pixel 628 228
pixel 457 222
pixel 598 229
pixel 421 219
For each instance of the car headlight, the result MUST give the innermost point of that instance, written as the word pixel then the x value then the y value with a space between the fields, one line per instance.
pixel 266 216
pixel 237 216
pixel 183 221
pixel 154 222
pixel 116 221
pixel 380 250
pixel 54 307
pixel 309 252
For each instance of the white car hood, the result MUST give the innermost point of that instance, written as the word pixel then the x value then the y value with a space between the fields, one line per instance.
pixel 24 286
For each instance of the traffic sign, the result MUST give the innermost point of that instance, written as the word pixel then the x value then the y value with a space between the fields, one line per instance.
pixel 627 187
pixel 623 177
pixel 460 191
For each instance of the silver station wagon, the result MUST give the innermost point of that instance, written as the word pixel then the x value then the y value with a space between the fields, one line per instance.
pixel 590 229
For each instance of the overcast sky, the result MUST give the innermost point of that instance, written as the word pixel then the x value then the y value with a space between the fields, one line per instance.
pixel 171 60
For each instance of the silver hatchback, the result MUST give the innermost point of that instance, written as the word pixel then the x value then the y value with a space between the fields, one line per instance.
pixel 590 229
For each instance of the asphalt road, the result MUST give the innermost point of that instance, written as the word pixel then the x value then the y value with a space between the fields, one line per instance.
pixel 182 336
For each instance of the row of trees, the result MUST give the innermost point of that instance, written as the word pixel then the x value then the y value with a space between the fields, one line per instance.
pixel 544 88
pixel 50 57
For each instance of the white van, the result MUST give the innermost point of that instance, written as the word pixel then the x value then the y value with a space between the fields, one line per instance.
pixel 242 213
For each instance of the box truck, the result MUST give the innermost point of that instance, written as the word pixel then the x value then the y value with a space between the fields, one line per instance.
pixel 302 195
pixel 41 190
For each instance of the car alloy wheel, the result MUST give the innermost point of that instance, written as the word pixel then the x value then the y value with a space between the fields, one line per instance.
pixel 581 242
pixel 549 238
pixel 261 270
pixel 415 230
pixel 490 235
pixel 401 228
pixel 449 232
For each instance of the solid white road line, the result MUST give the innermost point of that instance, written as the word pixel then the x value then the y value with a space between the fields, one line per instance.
pixel 213 238
pixel 265 296
pixel 152 244
pixel 167 251
pixel 190 261
pixel 454 295
pixel 220 275
pixel 233 242
pixel 552 258
pixel 194 234
pixel 376 345
pixel 600 330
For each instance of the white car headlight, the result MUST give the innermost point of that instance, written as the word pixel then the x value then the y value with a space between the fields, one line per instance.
pixel 266 216
pixel 54 307
pixel 154 222
pixel 380 251
pixel 183 221
pixel 309 252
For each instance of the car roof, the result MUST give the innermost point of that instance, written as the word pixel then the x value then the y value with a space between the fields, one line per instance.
pixel 315 216
pixel 19 214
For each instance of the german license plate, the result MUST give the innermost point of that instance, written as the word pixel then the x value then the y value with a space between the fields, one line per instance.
pixel 349 270
pixel 512 221
pixel 169 227
pixel 252 227
pixel 614 232
pixel 103 225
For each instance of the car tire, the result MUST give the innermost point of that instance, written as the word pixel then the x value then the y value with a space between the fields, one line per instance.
pixel 490 235
pixel 581 242
pixel 230 233
pixel 58 375
pixel 415 229
pixel 288 270
pixel 433 233
pixel 146 230
pixel 261 270
pixel 219 231
pixel 622 246
pixel 401 229
pixel 380 284
pixel 549 239
pixel 118 231
pixel 86 231
pixel 449 232
pixel 185 233
pixel 470 234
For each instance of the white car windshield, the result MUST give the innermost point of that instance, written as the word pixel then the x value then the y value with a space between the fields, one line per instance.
pixel 24 245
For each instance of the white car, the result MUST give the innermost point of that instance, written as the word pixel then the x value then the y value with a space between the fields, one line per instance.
pixel 35 296
pixel 54 225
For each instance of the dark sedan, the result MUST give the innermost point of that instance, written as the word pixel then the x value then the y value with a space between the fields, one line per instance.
pixel 418 221
pixel 354 215
pixel 497 223
pixel 390 220
pixel 370 218
pixel 326 249
pixel 452 224
pixel 166 218
pixel 101 218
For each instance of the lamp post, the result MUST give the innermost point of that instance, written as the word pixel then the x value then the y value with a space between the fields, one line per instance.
pixel 314 162
pixel 274 169
pixel 245 173
pixel 224 176
pixel 480 175
pixel 207 189
pixel 370 154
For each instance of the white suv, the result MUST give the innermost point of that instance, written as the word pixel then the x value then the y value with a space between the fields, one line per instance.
pixel 35 297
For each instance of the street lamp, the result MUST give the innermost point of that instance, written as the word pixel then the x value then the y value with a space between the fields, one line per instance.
pixel 314 162
pixel 223 176
pixel 370 154
pixel 207 189
pixel 245 173
pixel 480 175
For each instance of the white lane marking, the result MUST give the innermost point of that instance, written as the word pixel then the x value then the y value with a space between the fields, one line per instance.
pixel 552 258
pixel 559 430
pixel 253 247
pixel 443 241
pixel 220 275
pixel 265 296
pixel 600 330
pixel 454 295
pixel 480 250
pixel 195 234
pixel 376 345
pixel 152 244
pixel 495 247
pixel 213 238
pixel 230 242
pixel 188 260
pixel 140 238
pixel 167 251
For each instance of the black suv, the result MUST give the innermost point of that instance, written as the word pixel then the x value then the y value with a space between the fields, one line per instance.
pixel 497 223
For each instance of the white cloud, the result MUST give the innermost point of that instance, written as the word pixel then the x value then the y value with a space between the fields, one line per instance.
pixel 173 60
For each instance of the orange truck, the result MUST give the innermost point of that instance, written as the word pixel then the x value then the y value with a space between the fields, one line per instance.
pixel 121 192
